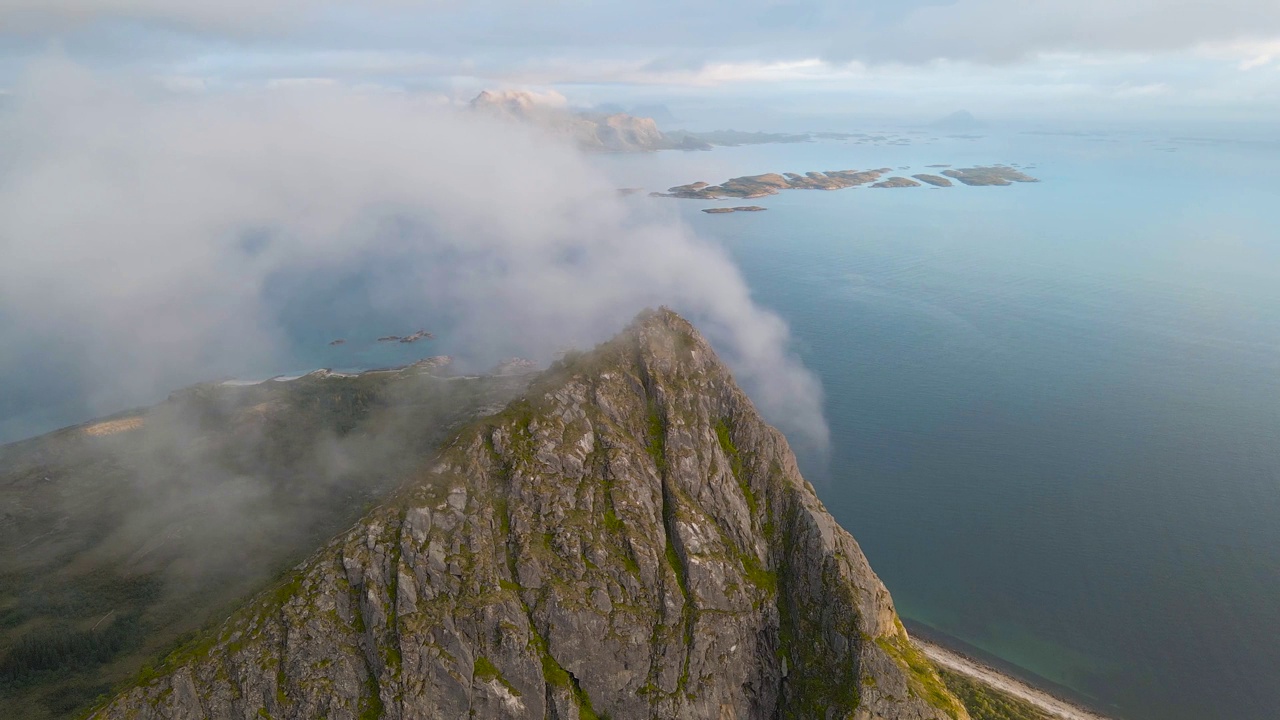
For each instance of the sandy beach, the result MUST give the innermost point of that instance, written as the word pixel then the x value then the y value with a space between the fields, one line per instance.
pixel 1054 706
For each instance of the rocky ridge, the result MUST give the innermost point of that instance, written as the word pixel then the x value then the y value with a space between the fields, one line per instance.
pixel 121 535
pixel 628 540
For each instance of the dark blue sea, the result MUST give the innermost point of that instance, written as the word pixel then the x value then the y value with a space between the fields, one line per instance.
pixel 1054 407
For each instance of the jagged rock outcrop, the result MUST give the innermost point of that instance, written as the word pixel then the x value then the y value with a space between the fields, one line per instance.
pixel 628 540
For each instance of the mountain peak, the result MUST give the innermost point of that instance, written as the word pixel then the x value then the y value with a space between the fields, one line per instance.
pixel 628 539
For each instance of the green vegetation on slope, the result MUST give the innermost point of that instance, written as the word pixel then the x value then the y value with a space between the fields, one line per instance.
pixel 921 674
pixel 986 703
pixel 95 577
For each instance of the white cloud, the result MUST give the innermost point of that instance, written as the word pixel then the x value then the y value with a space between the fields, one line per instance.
pixel 1147 90
pixel 57 15
pixel 152 232
pixel 1248 54
pixel 299 82
pixel 182 83
pixel 511 32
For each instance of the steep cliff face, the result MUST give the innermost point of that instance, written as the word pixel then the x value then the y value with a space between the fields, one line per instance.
pixel 119 536
pixel 629 540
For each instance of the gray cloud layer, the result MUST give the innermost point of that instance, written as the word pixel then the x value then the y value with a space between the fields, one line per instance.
pixel 507 32
pixel 143 237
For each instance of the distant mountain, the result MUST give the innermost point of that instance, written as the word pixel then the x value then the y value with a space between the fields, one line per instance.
pixel 661 114
pixel 591 130
pixel 958 120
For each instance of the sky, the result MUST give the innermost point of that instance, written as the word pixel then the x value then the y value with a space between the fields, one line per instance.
pixel 1100 60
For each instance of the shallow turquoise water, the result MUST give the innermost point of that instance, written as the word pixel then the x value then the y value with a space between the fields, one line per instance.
pixel 1055 408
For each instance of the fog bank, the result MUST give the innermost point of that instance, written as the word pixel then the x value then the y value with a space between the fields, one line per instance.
pixel 148 238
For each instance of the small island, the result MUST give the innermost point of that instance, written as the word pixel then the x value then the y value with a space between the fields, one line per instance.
pixel 389 338
pixel 740 208
pixel 934 180
pixel 897 182
pixel 339 341
pixel 989 175
pixel 755 186
pixel 421 334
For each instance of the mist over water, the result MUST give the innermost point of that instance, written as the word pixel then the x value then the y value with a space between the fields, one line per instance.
pixel 152 242
pixel 1053 407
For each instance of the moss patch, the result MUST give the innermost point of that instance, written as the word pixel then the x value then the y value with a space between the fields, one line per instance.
pixel 371 703
pixel 657 441
pixel 555 675
pixel 485 671
pixel 922 678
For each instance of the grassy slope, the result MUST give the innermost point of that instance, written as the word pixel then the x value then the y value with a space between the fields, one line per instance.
pixel 114 548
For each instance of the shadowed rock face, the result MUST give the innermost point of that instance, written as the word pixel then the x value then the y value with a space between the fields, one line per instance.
pixel 630 539
pixel 119 536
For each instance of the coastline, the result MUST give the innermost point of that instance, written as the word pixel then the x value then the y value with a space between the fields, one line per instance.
pixel 956 662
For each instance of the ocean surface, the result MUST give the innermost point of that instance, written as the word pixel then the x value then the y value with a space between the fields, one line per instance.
pixel 1054 407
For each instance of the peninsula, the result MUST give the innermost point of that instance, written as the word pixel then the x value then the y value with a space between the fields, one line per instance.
pixel 757 186
pixel 989 175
